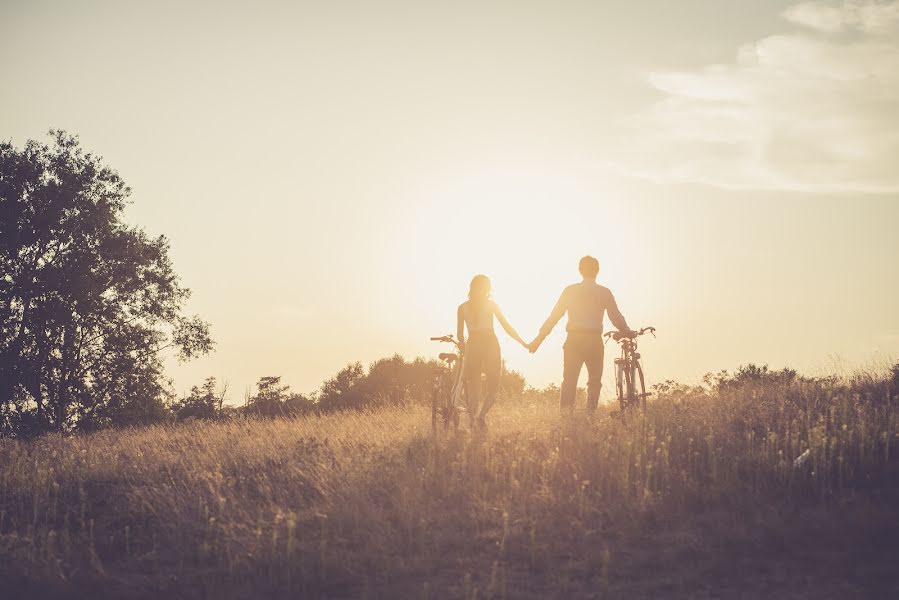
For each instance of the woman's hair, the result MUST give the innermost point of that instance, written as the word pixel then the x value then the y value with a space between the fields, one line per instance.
pixel 479 290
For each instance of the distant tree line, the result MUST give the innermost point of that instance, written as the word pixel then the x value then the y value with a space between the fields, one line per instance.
pixel 387 382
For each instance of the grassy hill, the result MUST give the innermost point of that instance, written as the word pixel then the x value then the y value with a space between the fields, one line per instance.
pixel 701 498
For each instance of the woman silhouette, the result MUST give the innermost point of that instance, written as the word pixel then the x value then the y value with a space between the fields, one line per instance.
pixel 481 350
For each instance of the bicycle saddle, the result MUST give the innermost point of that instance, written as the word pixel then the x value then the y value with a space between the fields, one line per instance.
pixel 448 356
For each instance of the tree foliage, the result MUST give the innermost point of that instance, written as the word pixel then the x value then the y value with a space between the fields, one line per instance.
pixel 87 302
pixel 752 375
pixel 203 402
pixel 272 399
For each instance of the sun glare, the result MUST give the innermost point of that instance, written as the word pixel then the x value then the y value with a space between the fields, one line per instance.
pixel 524 226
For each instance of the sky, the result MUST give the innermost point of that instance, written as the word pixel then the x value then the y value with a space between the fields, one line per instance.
pixel 332 174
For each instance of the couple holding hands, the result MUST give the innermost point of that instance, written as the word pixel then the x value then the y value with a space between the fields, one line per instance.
pixel 586 304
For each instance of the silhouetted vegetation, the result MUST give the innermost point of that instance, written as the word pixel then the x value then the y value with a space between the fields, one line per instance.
pixel 203 402
pixel 87 302
pixel 390 381
pixel 753 375
pixel 275 400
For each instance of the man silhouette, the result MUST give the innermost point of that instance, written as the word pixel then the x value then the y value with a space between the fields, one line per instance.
pixel 586 303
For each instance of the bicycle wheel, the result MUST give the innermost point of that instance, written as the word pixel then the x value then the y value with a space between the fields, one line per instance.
pixel 436 399
pixel 620 385
pixel 448 409
pixel 639 386
pixel 457 403
pixel 442 402
pixel 630 387
pixel 455 397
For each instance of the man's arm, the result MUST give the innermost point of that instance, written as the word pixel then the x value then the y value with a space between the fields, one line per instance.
pixel 557 313
pixel 615 315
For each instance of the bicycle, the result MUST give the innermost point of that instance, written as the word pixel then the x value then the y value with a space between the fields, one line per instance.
pixel 449 387
pixel 630 383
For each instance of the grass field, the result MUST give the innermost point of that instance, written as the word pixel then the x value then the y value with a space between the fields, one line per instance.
pixel 700 498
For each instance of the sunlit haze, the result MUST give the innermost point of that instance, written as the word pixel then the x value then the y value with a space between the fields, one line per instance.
pixel 332 174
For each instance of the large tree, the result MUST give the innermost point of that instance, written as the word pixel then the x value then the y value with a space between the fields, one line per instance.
pixel 87 302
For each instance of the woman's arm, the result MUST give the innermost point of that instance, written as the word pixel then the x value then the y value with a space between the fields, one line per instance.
pixel 508 328
pixel 460 328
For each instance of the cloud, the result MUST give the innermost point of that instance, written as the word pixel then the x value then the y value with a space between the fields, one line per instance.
pixel 868 17
pixel 816 110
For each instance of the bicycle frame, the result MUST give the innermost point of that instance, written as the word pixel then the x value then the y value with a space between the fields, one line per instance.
pixel 625 367
pixel 630 383
pixel 448 403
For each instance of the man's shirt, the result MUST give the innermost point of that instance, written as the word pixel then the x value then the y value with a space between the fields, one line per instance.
pixel 586 304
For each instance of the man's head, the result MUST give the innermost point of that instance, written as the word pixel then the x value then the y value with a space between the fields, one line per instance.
pixel 589 267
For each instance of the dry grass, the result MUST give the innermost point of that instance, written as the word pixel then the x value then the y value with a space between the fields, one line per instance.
pixel 698 499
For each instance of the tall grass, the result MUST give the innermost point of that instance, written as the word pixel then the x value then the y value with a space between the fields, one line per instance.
pixel 371 504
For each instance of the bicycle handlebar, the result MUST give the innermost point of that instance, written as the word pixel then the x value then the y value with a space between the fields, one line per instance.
pixel 630 334
pixel 444 338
